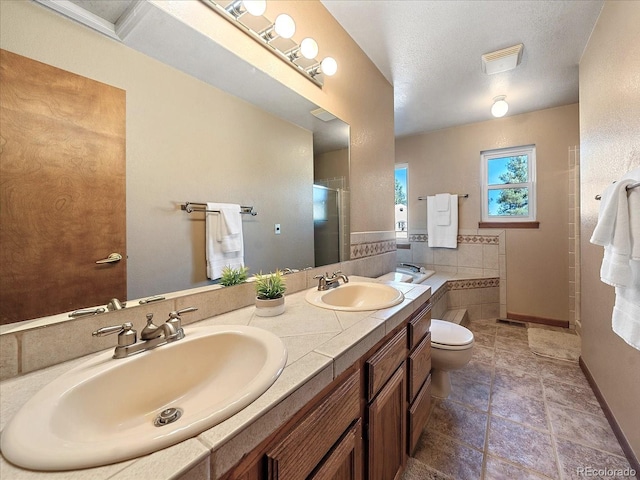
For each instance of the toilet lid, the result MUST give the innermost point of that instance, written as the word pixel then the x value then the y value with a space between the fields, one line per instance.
pixel 450 334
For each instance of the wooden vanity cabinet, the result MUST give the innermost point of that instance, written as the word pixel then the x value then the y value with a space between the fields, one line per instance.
pixel 418 375
pixel 363 425
pixel 303 449
pixel 323 442
pixel 386 412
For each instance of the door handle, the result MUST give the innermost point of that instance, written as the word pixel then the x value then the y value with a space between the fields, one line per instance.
pixel 112 258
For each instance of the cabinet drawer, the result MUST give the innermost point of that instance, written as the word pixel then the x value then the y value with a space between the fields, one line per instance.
pixel 382 364
pixel 305 446
pixel 419 366
pixel 419 326
pixel 418 415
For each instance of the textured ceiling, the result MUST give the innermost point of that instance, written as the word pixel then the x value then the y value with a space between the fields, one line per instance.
pixel 431 52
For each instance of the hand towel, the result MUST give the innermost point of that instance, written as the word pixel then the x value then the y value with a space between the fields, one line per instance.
pixel 442 235
pixel 618 230
pixel 443 215
pixel 613 231
pixel 224 242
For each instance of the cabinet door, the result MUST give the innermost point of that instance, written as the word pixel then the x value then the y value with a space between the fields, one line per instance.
pixel 299 453
pixel 387 423
pixel 344 462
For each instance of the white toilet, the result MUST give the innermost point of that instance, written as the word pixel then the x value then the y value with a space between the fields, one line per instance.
pixel 451 348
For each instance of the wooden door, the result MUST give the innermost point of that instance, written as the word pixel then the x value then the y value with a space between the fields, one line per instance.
pixel 62 190
pixel 387 415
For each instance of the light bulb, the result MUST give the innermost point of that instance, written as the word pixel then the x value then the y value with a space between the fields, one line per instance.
pixel 255 7
pixel 500 107
pixel 309 48
pixel 285 26
pixel 329 66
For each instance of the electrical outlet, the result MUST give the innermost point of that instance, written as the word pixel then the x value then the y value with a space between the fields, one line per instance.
pixel 277 229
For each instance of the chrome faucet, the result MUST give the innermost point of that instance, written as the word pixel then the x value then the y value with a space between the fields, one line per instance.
pixel 325 282
pixel 413 267
pixel 152 336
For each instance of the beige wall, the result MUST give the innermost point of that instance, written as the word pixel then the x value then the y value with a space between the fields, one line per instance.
pixel 449 161
pixel 332 165
pixel 173 119
pixel 609 147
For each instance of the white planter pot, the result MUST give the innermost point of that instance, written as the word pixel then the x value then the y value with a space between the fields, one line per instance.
pixel 269 307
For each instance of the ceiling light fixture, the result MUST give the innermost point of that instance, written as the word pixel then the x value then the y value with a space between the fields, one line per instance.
pixel 500 106
pixel 276 37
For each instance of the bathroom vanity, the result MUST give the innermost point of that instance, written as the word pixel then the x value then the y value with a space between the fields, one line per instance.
pixel 362 425
pixel 350 403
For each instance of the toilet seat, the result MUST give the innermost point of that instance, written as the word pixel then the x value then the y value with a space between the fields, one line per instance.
pixel 450 336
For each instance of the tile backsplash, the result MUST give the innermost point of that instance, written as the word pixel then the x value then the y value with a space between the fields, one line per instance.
pixel 480 253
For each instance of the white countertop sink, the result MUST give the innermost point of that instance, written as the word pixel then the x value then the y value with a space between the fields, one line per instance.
pixel 103 410
pixel 356 297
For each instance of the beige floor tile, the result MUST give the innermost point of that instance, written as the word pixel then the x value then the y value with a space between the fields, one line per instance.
pixel 449 457
pixel 523 446
pixel 477 371
pixel 583 428
pixel 527 410
pixel 459 422
pixel 467 390
pixel 518 382
pixel 497 469
pixel 578 397
pixel 575 459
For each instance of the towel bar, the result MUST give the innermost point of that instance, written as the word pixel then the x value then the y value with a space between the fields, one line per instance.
pixel 190 207
pixel 627 188
pixel 463 195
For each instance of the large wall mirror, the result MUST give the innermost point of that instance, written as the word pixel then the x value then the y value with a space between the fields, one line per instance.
pixel 202 125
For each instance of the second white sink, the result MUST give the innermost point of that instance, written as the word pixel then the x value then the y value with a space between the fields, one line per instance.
pixel 356 297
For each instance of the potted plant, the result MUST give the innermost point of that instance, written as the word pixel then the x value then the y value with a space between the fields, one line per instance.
pixel 233 276
pixel 270 294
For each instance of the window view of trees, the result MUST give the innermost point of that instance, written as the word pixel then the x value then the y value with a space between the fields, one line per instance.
pixel 509 171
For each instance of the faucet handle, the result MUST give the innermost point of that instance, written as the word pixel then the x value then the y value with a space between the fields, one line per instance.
pixel 176 314
pixel 336 273
pixel 126 333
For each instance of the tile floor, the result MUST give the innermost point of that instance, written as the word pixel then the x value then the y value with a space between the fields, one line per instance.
pixel 514 415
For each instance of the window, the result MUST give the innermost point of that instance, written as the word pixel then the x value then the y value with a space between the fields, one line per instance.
pixel 508 185
pixel 402 196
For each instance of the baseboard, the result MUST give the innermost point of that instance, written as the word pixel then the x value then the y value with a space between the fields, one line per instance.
pixel 544 321
pixel 626 448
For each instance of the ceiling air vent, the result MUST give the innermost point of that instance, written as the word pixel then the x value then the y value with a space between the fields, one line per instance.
pixel 502 60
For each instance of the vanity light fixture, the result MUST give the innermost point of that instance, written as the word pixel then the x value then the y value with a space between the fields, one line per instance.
pixel 500 106
pixel 284 27
pixel 308 48
pixel 328 66
pixel 276 37
pixel 237 8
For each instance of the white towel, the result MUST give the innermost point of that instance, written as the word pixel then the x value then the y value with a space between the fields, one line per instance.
pixel 442 235
pixel 618 230
pixel 443 210
pixel 224 241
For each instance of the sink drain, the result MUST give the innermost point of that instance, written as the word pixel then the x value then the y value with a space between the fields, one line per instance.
pixel 167 416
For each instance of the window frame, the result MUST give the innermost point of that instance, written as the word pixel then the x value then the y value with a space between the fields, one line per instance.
pixel 485 156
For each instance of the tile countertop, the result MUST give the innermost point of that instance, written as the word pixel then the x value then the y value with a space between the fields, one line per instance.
pixel 321 344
